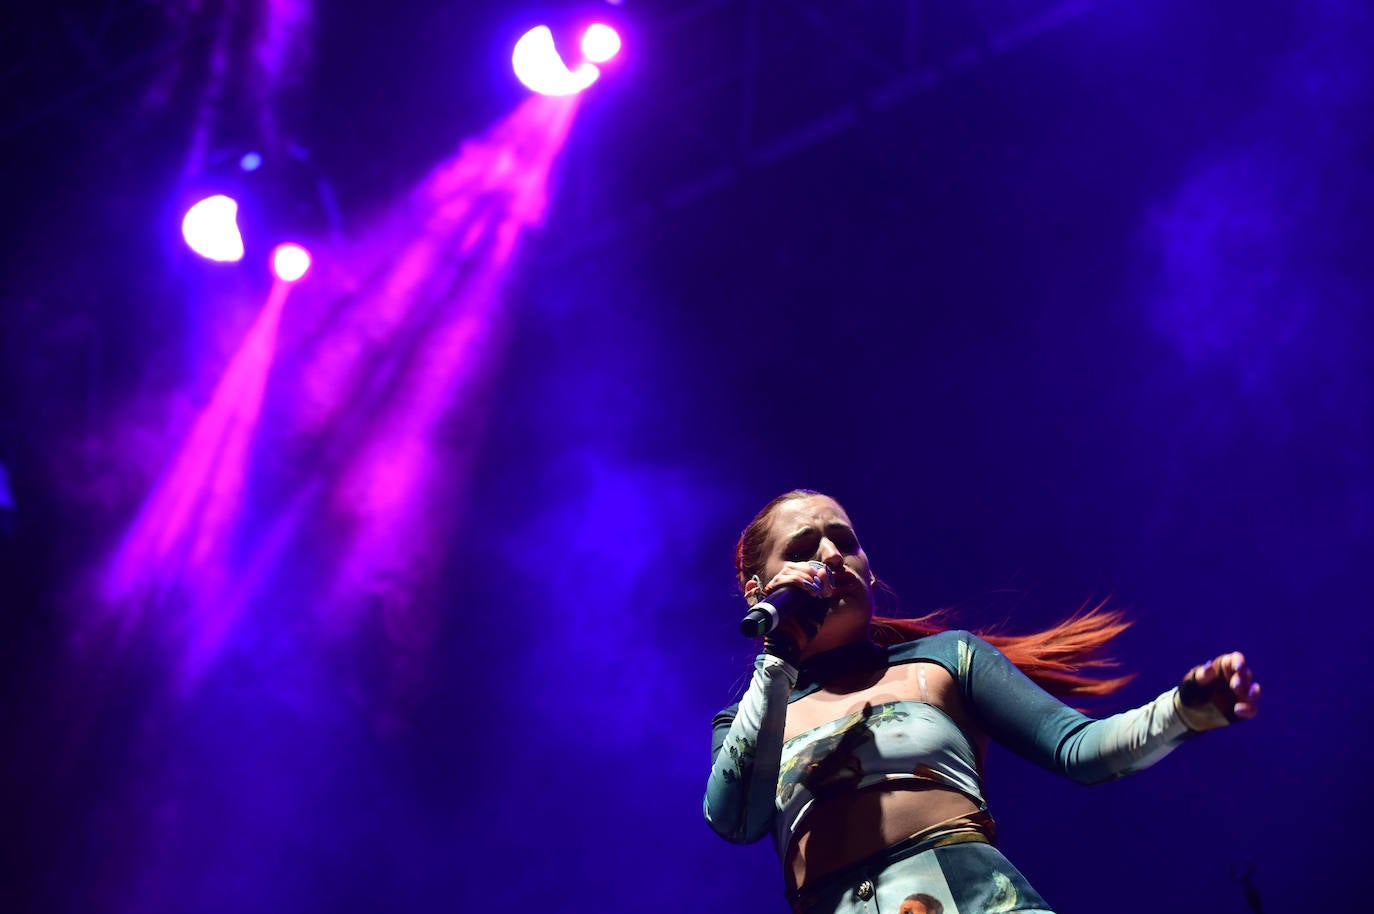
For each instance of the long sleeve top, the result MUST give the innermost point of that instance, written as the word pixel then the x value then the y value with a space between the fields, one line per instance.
pixel 748 785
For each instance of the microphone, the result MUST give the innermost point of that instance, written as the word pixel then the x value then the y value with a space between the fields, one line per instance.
pixel 768 613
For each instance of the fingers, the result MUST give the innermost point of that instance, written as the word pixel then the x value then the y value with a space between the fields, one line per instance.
pixel 1238 677
pixel 1227 682
pixel 1250 707
pixel 803 574
pixel 1236 674
pixel 1230 668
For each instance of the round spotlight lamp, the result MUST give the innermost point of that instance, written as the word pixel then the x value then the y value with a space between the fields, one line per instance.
pixel 538 65
pixel 290 262
pixel 600 43
pixel 211 229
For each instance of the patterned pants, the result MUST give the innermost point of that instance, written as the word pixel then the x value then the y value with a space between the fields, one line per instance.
pixel 966 878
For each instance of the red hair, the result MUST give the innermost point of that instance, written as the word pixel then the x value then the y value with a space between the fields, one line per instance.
pixel 1064 660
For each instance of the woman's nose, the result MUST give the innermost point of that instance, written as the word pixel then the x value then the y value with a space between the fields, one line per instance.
pixel 829 555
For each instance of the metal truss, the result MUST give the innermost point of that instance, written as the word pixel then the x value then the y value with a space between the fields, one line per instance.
pixel 723 89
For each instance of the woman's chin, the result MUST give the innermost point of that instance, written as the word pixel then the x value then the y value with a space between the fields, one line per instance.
pixel 851 605
pixel 844 622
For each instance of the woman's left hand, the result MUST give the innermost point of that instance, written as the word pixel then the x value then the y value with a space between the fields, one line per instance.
pixel 1226 683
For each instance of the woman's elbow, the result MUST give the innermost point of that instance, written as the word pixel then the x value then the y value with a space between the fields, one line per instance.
pixel 1088 775
pixel 732 828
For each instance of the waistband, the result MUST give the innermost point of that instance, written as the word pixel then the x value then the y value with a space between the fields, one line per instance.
pixel 977 827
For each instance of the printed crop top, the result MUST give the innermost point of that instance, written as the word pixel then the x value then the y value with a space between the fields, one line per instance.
pixel 759 784
pixel 894 740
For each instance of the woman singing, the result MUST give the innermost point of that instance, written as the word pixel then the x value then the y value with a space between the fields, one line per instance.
pixel 859 743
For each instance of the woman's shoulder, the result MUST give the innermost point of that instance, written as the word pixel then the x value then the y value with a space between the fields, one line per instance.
pixel 940 641
pixel 945 648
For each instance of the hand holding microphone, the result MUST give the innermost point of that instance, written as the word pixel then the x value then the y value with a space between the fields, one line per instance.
pixel 789 616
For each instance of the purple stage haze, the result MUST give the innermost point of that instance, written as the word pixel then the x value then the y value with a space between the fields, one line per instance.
pixel 408 587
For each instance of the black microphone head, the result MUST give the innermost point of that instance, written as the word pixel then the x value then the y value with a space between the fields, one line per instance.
pixel 756 624
pixel 772 609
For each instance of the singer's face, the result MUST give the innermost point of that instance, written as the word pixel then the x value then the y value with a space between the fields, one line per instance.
pixel 816 528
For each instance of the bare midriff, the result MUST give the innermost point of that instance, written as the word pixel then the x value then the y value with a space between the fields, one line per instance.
pixel 845 829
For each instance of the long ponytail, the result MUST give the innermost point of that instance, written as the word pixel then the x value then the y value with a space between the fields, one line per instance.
pixel 1065 659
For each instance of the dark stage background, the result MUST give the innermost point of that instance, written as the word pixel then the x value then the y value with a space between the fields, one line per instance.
pixel 1083 313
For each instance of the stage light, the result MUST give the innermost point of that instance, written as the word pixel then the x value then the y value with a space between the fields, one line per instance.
pixel 290 262
pixel 538 65
pixel 250 161
pixel 211 229
pixel 600 43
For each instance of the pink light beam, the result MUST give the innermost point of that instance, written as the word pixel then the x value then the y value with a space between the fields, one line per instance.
pixel 178 543
pixel 377 405
pixel 483 201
